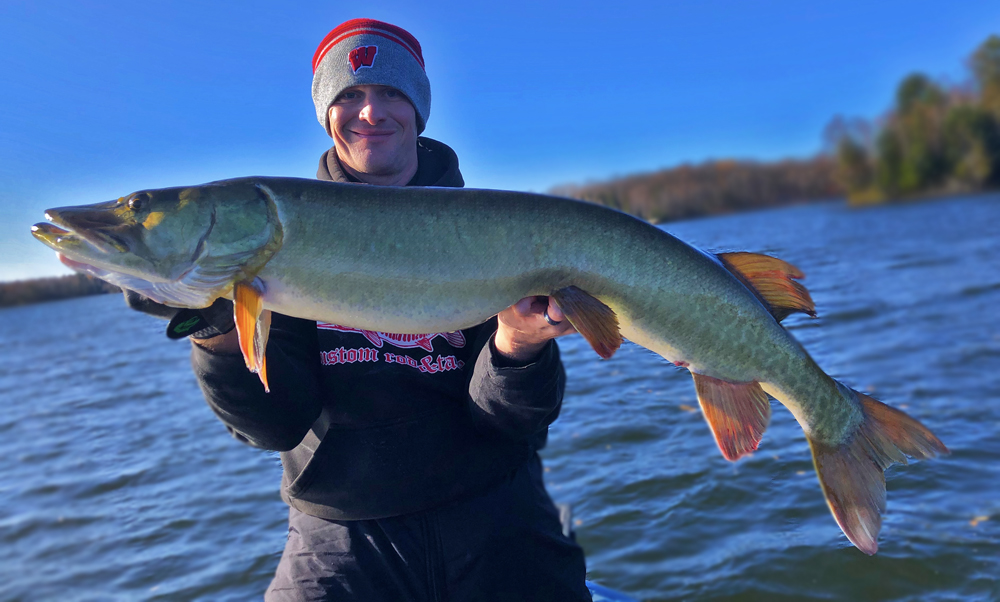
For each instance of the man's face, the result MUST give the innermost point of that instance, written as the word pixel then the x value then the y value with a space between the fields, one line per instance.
pixel 374 129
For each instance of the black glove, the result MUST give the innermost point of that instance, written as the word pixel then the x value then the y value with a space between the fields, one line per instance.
pixel 203 323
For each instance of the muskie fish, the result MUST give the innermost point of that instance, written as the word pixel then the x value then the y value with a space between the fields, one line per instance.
pixel 424 260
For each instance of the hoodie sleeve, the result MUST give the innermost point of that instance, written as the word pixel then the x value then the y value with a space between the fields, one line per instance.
pixel 517 400
pixel 277 420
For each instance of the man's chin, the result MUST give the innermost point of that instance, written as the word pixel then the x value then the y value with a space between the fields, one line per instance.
pixel 377 163
pixel 382 159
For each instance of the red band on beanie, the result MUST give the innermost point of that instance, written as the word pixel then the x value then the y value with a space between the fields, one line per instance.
pixel 356 27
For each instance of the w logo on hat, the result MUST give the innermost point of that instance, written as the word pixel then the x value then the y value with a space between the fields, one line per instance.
pixel 362 56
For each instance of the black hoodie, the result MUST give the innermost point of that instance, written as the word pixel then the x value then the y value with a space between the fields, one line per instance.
pixel 374 424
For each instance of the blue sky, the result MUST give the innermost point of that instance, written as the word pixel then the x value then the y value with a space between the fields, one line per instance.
pixel 103 98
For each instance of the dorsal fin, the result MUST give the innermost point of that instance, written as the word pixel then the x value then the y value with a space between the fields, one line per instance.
pixel 773 281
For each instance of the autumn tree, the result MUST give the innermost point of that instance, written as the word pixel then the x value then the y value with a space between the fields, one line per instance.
pixel 985 66
pixel 933 139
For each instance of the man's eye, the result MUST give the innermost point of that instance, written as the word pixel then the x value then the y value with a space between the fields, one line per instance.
pixel 347 96
pixel 391 94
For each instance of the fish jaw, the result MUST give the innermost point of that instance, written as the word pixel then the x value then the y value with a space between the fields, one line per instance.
pixel 58 239
pixel 69 235
pixel 94 224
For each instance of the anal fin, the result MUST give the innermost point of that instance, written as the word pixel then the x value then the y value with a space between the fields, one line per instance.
pixel 252 325
pixel 738 413
pixel 774 282
pixel 591 318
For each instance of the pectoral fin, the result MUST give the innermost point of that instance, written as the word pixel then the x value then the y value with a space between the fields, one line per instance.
pixel 591 318
pixel 253 325
pixel 774 282
pixel 738 413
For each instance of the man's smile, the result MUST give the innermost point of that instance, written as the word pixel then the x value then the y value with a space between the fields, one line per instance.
pixel 373 134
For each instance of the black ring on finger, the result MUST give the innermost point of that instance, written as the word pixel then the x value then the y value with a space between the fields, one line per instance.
pixel 552 322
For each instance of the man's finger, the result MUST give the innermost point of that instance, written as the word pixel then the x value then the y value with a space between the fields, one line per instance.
pixel 555 314
pixel 523 307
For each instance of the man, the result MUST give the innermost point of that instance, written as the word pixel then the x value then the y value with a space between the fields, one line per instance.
pixel 410 462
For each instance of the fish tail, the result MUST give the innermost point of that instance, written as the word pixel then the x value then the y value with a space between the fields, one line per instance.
pixel 852 473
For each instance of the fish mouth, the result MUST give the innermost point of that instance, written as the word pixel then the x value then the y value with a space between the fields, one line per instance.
pixel 74 231
pixel 56 238
pixel 80 254
pixel 47 232
pixel 84 239
pixel 63 241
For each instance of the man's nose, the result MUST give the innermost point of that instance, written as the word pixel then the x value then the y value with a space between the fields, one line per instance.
pixel 372 112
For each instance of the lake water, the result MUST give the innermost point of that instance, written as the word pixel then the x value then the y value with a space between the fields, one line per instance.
pixel 117 482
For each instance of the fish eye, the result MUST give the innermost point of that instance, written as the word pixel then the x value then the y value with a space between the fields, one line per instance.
pixel 135 203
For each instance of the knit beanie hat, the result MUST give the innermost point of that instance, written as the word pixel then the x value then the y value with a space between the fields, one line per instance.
pixel 365 51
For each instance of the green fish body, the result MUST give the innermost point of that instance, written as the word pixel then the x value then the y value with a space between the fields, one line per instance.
pixel 425 260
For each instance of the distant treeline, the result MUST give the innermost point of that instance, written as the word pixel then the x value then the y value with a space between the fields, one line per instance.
pixel 936 138
pixel 22 292
pixel 714 187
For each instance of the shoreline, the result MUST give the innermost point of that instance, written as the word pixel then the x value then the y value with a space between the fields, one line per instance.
pixel 53 288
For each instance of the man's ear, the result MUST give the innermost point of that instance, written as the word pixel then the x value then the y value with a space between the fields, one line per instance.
pixel 329 120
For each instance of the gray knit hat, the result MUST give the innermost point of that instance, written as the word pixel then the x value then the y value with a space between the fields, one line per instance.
pixel 365 51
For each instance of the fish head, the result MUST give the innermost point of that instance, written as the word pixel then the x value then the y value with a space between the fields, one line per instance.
pixel 183 246
pixel 154 234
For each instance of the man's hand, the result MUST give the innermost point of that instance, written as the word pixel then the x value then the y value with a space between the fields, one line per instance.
pixel 523 330
pixel 215 325
pixel 228 343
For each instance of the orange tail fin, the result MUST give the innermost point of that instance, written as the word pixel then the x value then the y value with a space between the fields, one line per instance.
pixel 852 473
